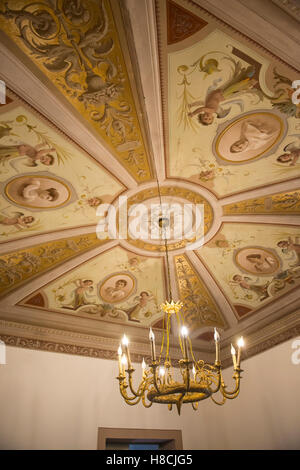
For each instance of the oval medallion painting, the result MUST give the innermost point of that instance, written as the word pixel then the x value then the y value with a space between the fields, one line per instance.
pixel 117 288
pixel 38 192
pixel 257 261
pixel 249 137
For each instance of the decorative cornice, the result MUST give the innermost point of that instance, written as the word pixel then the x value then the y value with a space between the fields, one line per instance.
pixel 16 340
pixel 267 344
pixel 292 7
pixel 239 33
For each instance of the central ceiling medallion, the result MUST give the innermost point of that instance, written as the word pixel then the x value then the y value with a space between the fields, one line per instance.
pixel 176 208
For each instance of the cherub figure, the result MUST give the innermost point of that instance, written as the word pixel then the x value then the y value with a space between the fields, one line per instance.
pixel 144 307
pixel 19 220
pixel 288 246
pixel 207 111
pixel 94 201
pixel 245 283
pixel 80 297
pixel 38 153
pixel 207 175
pixel 291 155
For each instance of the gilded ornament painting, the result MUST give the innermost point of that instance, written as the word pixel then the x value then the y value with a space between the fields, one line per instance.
pixel 279 203
pixel 199 307
pixel 77 46
pixel 21 266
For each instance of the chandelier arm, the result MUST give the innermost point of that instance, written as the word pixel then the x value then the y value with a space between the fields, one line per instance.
pixel 163 339
pixel 234 393
pixel 127 398
pixel 131 403
pixel 231 397
pixel 195 406
pixel 219 381
pixel 140 389
pixel 146 405
pixel 218 403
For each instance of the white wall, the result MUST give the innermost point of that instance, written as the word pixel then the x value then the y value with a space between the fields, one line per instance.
pixel 57 401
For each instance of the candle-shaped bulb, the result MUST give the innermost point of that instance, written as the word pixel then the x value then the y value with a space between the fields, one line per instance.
pixel 162 371
pixel 143 364
pixel 217 343
pixel 152 344
pixel 240 344
pixel 233 354
pixel 184 332
pixel 216 335
pixel 124 361
pixel 125 341
pixel 194 371
pixel 120 360
pixel 151 335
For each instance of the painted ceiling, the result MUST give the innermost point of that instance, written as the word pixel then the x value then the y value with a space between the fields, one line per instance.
pixel 231 142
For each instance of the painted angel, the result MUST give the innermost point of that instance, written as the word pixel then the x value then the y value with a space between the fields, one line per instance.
pixel 38 153
pixel 17 219
pixel 80 295
pixel 247 284
pixel 215 95
pixel 291 154
pixel 144 306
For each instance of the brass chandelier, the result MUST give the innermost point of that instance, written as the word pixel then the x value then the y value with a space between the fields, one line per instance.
pixel 193 381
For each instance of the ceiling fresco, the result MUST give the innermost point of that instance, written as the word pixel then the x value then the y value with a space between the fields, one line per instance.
pixel 254 263
pixel 77 46
pixel 117 286
pixel 227 130
pixel 42 188
pixel 231 143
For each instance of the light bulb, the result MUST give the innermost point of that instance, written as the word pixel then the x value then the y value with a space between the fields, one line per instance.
pixel 119 351
pixel 233 352
pixel 151 335
pixel 144 364
pixel 125 340
pixel 124 360
pixel 184 331
pixel 162 371
pixel 241 342
pixel 216 335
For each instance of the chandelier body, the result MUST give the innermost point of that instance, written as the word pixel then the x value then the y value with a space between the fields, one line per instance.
pixel 197 380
